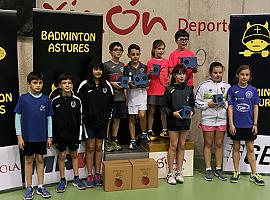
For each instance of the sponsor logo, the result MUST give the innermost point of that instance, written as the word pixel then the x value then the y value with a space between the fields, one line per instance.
pixel 73 104
pixel 242 107
pixel 42 108
pixel 104 90
pixel 9 168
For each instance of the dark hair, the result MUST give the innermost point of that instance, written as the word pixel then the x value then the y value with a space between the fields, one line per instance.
pixel 239 69
pixel 133 46
pixel 103 76
pixel 65 76
pixel 156 44
pixel 114 44
pixel 181 33
pixel 215 64
pixel 34 75
pixel 178 69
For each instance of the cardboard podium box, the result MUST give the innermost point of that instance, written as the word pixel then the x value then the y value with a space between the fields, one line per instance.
pixel 161 159
pixel 162 144
pixel 144 173
pixel 117 175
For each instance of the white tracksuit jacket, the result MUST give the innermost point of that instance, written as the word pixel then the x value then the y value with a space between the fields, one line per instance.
pixel 211 116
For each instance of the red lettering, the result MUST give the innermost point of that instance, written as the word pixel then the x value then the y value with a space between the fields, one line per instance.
pixel 191 26
pixel 148 27
pixel 179 24
pixel 200 28
pixel 208 26
pixel 117 10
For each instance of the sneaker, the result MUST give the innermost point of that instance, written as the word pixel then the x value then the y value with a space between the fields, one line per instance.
pixel 145 137
pixel 257 179
pixel 116 146
pixel 108 146
pixel 43 192
pixel 164 133
pixel 220 174
pixel 61 186
pixel 78 184
pixel 208 175
pixel 179 177
pixel 170 179
pixel 98 180
pixel 133 145
pixel 152 135
pixel 235 177
pixel 90 182
pixel 28 194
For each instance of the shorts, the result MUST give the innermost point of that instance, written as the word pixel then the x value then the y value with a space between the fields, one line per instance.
pixel 134 110
pixel 243 134
pixel 178 128
pixel 119 110
pixel 31 148
pixel 207 128
pixel 63 144
pixel 156 100
pixel 95 132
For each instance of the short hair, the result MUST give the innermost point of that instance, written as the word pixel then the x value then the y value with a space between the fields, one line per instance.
pixel 133 46
pixel 113 44
pixel 65 76
pixel 215 64
pixel 181 33
pixel 178 69
pixel 34 75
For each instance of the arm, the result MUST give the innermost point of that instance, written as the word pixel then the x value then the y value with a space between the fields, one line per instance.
pixel 18 128
pixel 200 102
pixel 192 103
pixel 165 108
pixel 255 120
pixel 49 128
pixel 231 125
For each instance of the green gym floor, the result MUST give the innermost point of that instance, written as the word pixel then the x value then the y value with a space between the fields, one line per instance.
pixel 194 188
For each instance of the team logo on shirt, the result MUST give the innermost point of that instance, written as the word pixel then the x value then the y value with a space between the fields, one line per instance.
pixel 104 90
pixel 121 69
pixel 242 107
pixel 73 104
pixel 142 69
pixel 222 90
pixel 187 99
pixel 42 108
pixel 249 94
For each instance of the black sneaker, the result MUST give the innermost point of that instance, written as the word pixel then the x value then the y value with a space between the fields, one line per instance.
pixel 235 177
pixel 257 179
pixel 220 174
pixel 208 175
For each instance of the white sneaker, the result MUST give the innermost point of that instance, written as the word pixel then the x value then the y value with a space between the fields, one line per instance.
pixel 179 177
pixel 170 179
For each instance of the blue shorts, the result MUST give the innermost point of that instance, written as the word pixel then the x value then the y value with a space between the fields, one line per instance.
pixel 119 110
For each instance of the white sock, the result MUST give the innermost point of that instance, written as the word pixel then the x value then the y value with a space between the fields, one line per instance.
pixel 39 186
pixel 208 168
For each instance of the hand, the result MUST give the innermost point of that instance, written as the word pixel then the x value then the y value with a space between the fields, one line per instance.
pixel 176 114
pixel 116 86
pixel 20 142
pixel 254 130
pixel 49 142
pixel 211 104
pixel 132 85
pixel 191 114
pixel 232 129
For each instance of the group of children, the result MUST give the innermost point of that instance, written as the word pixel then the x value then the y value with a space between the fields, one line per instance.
pixel 101 101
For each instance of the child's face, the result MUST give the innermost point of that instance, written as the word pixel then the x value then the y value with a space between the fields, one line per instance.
pixel 36 86
pixel 217 74
pixel 134 56
pixel 180 77
pixel 182 42
pixel 97 72
pixel 66 85
pixel 116 52
pixel 244 76
pixel 159 51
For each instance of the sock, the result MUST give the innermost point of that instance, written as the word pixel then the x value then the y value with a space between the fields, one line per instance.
pixel 208 168
pixel 164 129
pixel 76 177
pixel 39 186
pixel 144 133
pixel 217 168
pixel 150 130
pixel 114 138
pixel 63 179
pixel 133 140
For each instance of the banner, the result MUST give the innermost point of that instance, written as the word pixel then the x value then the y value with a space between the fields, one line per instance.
pixel 10 168
pixel 249 45
pixel 65 41
pixel 9 89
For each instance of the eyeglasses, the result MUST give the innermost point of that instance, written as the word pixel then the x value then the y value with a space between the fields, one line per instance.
pixel 135 54
pixel 183 39
pixel 116 49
